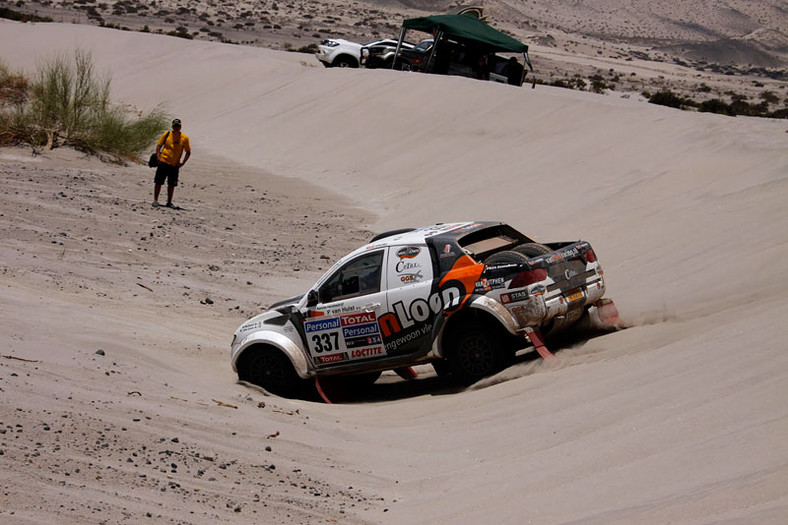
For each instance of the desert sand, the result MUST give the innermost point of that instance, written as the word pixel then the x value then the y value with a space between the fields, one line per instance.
pixel 117 400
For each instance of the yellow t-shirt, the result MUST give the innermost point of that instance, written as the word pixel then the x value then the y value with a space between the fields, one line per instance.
pixel 171 151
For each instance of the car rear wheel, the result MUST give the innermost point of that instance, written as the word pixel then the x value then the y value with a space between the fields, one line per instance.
pixel 476 354
pixel 270 369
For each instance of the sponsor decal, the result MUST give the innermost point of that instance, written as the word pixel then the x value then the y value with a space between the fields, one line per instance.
pixel 447 251
pixel 411 277
pixel 357 342
pixel 408 252
pixel 359 330
pixel 412 335
pixel 321 325
pixel 250 326
pixel 334 358
pixel 466 228
pixel 366 352
pixel 403 266
pixel 501 267
pixel 490 283
pixel 514 297
pixel 344 337
pixel 359 318
pixel 418 311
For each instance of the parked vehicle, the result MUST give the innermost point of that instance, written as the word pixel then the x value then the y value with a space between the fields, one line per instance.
pixel 337 52
pixel 463 45
pixel 463 296
pixel 381 54
pixel 415 58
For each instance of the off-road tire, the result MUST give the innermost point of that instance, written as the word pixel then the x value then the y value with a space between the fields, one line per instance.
pixel 506 256
pixel 270 369
pixel 532 249
pixel 476 353
pixel 345 61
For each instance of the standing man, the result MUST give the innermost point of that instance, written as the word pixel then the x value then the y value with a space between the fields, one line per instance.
pixel 169 150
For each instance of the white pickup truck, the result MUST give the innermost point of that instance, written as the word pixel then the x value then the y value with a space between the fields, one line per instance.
pixel 463 297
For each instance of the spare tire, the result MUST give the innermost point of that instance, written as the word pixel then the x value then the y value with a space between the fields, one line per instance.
pixel 506 256
pixel 532 249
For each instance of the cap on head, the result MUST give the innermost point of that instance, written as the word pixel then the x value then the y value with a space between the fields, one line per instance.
pixel 176 123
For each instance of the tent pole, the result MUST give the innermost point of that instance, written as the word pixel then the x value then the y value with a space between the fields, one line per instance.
pixel 399 46
pixel 438 36
pixel 533 76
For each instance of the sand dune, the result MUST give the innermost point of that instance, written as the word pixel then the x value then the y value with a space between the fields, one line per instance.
pixel 679 418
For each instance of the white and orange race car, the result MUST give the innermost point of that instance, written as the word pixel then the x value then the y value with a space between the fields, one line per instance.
pixel 464 297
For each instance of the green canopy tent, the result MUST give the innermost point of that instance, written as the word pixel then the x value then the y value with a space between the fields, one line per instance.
pixel 464 27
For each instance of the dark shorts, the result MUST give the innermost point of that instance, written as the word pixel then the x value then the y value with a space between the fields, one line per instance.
pixel 168 173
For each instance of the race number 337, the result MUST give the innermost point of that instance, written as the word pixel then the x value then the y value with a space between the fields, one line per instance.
pixel 323 335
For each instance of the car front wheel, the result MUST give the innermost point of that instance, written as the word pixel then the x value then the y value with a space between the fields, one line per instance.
pixel 345 62
pixel 270 369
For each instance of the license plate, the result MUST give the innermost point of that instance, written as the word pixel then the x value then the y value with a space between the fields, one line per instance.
pixel 574 296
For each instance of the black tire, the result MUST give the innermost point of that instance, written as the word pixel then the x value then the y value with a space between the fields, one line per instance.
pixel 506 256
pixel 532 249
pixel 270 369
pixel 345 61
pixel 476 354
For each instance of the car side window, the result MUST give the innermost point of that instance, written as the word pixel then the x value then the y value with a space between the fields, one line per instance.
pixel 361 276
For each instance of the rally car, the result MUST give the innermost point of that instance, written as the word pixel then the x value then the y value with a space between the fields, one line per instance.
pixel 462 296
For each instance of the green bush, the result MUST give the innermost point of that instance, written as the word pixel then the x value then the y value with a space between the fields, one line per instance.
pixel 670 99
pixel 66 103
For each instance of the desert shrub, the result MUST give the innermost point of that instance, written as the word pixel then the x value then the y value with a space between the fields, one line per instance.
pixel 569 83
pixel 769 97
pixel 14 87
pixel 599 85
pixel 310 48
pixel 181 32
pixel 716 105
pixel 10 14
pixel 670 99
pixel 68 104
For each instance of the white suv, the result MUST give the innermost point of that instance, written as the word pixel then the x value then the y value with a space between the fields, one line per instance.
pixel 343 53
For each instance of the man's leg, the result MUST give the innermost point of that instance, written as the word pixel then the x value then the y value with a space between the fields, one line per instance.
pixel 170 191
pixel 156 191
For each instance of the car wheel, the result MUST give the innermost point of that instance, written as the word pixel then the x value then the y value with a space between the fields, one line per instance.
pixel 532 249
pixel 345 61
pixel 476 354
pixel 270 369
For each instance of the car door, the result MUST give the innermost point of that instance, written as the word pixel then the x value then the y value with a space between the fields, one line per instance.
pixel 343 326
pixel 407 326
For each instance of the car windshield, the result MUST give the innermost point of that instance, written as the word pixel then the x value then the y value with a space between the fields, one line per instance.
pixel 424 45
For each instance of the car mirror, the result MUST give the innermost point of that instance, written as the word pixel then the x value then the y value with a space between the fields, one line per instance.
pixel 311 299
